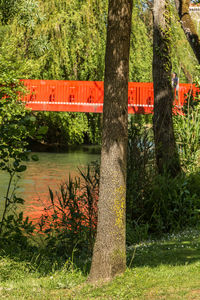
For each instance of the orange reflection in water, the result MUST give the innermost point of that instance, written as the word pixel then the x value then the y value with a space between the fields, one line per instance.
pixel 36 194
pixel 49 172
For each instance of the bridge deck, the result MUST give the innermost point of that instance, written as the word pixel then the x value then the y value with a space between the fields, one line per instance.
pixel 87 96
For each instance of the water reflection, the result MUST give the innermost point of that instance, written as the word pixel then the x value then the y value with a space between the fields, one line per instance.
pixel 49 171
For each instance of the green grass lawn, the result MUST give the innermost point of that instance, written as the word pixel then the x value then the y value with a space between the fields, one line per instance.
pixel 164 269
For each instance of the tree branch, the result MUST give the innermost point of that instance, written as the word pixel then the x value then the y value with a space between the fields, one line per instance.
pixel 188 26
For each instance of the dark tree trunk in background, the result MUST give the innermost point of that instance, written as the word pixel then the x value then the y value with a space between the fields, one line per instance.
pixel 188 26
pixel 109 255
pixel 165 147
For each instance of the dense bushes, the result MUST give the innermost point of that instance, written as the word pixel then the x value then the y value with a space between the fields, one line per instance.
pixel 169 204
pixel 155 204
pixel 65 129
pixel 187 131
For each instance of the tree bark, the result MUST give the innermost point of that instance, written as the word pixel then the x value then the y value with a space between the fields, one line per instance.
pixel 188 26
pixel 165 147
pixel 109 255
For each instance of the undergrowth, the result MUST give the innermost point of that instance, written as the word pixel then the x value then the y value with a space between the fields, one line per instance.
pixel 156 205
pixel 165 268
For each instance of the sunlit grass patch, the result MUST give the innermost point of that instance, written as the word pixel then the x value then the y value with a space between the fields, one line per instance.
pixel 171 249
pixel 29 285
pixel 156 269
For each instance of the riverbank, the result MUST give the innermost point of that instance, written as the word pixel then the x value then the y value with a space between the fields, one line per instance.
pixel 41 146
pixel 164 269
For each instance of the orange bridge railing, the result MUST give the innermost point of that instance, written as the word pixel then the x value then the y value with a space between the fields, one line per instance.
pixel 87 96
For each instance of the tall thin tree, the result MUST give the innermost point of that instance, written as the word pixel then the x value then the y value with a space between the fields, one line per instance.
pixel 188 26
pixel 166 153
pixel 109 255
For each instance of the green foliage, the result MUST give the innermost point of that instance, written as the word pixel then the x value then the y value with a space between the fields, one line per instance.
pixel 167 205
pixel 66 39
pixel 65 129
pixel 185 68
pixel 139 166
pixel 8 9
pixel 29 14
pixel 16 126
pixel 16 229
pixel 172 204
pixel 13 136
pixel 14 120
pixel 59 39
pixel 151 265
pixel 155 203
pixel 141 48
pixel 187 131
pixel 94 128
pixel 69 221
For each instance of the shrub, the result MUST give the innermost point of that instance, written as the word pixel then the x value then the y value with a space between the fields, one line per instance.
pixel 187 131
pixel 155 203
pixel 16 125
pixel 69 222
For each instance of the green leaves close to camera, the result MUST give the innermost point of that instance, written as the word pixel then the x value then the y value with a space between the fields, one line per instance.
pixel 34 157
pixel 17 126
pixel 21 168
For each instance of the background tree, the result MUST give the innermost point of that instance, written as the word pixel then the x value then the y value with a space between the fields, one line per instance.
pixel 165 147
pixel 109 256
pixel 66 40
pixel 188 26
pixel 141 53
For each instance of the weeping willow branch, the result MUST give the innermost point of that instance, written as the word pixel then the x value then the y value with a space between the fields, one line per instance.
pixel 188 26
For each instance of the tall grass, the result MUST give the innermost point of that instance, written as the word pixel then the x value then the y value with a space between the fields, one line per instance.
pixel 69 222
pixel 155 203
pixel 187 131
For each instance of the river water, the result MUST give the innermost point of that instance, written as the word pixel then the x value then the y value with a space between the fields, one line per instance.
pixel 51 170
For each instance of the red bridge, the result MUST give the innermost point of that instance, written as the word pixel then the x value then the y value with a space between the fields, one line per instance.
pixel 87 96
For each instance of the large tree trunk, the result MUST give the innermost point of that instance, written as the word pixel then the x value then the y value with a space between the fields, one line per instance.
pixel 165 146
pixel 188 26
pixel 109 255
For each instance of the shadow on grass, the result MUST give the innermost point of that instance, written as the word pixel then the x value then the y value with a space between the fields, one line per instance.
pixel 44 260
pixel 171 251
pixel 184 251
